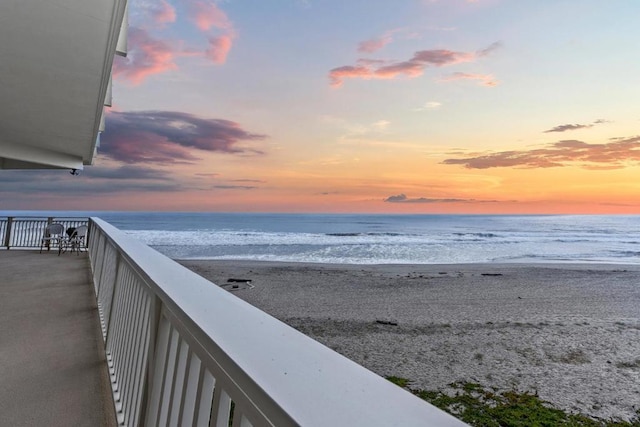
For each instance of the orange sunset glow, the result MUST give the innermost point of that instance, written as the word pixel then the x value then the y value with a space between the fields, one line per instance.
pixel 487 106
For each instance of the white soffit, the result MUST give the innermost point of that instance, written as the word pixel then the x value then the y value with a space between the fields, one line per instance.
pixel 55 68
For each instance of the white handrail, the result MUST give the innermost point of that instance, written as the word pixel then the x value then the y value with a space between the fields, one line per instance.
pixel 181 350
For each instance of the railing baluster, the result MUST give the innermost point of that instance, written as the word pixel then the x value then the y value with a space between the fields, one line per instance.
pixel 108 285
pixel 133 335
pixel 204 398
pixel 150 358
pixel 221 408
pixel 126 336
pixel 143 359
pixel 101 259
pixel 169 377
pixel 239 420
pixel 177 397
pixel 118 319
pixel 190 395
pixel 119 336
pixel 157 384
pixel 115 338
pixel 7 232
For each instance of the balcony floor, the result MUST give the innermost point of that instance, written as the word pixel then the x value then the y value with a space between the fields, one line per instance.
pixel 52 365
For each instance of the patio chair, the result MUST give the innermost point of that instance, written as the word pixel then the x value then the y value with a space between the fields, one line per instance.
pixel 53 235
pixel 77 241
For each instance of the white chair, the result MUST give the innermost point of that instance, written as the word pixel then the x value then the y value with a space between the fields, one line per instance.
pixel 53 236
pixel 77 241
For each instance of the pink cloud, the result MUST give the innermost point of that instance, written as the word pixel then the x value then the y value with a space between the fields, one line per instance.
pixel 365 70
pixel 372 62
pixel 376 43
pixel 207 15
pixel 372 45
pixel 408 68
pixel 146 57
pixel 440 57
pixel 338 74
pixel 219 48
pixel 163 13
pixel 612 155
pixel 377 69
pixel 484 79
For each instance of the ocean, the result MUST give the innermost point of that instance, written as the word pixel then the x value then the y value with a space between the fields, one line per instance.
pixel 382 239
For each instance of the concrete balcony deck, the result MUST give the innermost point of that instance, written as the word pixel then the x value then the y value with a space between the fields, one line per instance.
pixel 52 362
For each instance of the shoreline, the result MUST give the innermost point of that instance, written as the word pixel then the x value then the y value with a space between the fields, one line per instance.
pixel 541 264
pixel 569 332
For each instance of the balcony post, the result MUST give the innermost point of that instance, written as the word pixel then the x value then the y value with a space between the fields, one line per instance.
pixel 49 222
pixel 154 326
pixel 113 292
pixel 7 235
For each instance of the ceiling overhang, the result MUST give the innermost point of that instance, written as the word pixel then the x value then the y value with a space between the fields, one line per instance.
pixel 55 79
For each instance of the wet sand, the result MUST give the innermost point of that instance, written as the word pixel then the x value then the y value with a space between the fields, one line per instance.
pixel 569 332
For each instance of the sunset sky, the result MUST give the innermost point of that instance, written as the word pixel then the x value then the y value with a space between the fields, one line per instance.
pixel 407 106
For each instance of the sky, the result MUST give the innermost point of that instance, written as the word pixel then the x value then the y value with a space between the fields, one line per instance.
pixel 380 106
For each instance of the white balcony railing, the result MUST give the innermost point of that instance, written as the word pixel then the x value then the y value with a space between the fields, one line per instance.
pixel 183 352
pixel 27 232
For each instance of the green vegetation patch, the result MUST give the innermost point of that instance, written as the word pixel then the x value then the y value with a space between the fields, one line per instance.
pixel 402 382
pixel 477 406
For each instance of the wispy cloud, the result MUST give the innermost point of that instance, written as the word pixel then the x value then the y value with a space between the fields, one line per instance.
pixel 219 48
pixel 170 137
pixel 568 127
pixel 612 155
pixel 216 25
pixel 489 49
pixel 94 180
pixel 413 67
pixel 376 43
pixel 232 184
pixel 254 181
pixel 235 187
pixel 337 75
pixel 151 14
pixel 162 13
pixel 125 172
pixel 381 125
pixel 483 79
pixel 147 56
pixel 402 198
pixel 207 15
pixel 431 105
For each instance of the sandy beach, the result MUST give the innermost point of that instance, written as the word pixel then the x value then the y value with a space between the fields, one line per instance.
pixel 570 332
